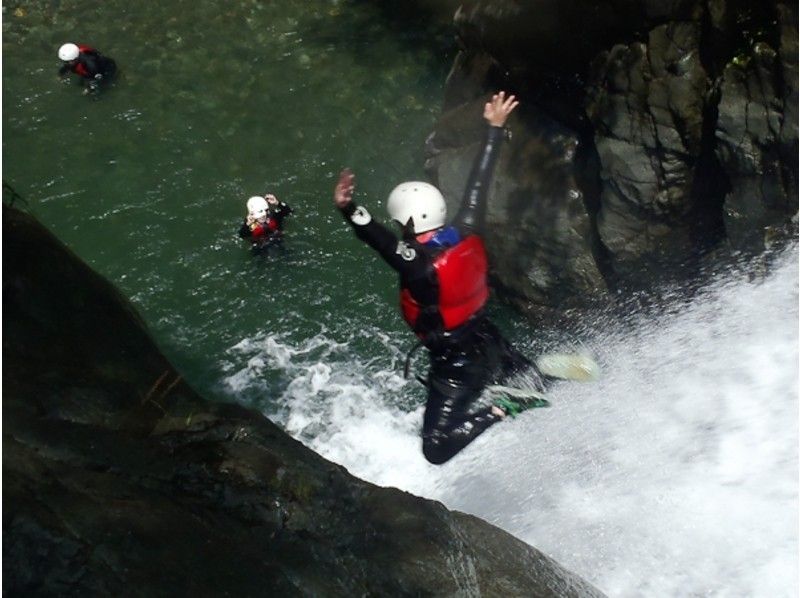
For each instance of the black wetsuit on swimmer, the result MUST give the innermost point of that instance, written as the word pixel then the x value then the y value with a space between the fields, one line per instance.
pixel 91 66
pixel 263 236
pixel 467 358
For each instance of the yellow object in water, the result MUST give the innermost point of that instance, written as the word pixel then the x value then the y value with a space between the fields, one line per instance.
pixel 568 366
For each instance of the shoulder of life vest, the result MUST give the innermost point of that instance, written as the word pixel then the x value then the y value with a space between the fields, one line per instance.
pixel 85 49
pixel 461 272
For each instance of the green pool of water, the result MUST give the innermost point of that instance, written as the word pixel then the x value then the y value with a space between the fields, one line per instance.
pixel 214 102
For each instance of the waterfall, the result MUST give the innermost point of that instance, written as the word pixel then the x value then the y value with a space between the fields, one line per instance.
pixel 674 474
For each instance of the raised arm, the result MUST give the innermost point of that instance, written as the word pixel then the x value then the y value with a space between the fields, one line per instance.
pixel 471 216
pixel 394 251
pixel 280 209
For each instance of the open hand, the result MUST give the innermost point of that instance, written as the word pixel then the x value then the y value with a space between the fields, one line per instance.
pixel 343 193
pixel 498 108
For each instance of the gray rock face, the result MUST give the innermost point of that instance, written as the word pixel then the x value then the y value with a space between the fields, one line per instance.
pixel 120 480
pixel 757 138
pixel 646 103
pixel 649 133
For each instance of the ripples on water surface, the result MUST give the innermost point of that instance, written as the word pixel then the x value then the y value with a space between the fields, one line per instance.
pixel 217 101
pixel 675 475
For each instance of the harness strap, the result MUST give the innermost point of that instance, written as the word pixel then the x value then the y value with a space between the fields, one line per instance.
pixel 407 365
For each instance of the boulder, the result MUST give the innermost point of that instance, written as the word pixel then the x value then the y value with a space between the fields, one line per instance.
pixel 646 103
pixel 652 137
pixel 757 138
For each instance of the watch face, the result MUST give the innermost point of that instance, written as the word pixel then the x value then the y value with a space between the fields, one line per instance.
pixel 361 216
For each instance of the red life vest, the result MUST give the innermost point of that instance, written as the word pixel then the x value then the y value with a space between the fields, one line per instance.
pixel 264 230
pixel 463 289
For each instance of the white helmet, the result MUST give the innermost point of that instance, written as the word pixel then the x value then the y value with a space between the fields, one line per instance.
pixel 68 52
pixel 421 201
pixel 257 207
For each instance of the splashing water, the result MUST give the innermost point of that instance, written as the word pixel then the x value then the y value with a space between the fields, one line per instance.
pixel 675 474
pixel 338 405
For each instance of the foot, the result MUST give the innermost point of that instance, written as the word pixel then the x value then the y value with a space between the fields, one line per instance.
pixel 513 401
pixel 564 366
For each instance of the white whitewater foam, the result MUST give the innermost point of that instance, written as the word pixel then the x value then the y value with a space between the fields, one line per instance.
pixel 675 474
pixel 340 406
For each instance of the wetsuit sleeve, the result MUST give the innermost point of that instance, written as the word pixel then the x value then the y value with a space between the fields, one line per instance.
pixel 282 212
pixel 105 65
pixel 471 216
pixel 65 68
pixel 401 256
pixel 244 231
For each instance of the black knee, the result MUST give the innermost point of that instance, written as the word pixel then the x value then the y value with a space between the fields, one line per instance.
pixel 435 452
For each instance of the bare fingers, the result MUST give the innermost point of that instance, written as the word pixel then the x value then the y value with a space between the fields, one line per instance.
pixel 506 104
pixel 499 107
pixel 343 193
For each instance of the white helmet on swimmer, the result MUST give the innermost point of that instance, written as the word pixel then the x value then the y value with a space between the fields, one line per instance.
pixel 68 52
pixel 257 207
pixel 421 201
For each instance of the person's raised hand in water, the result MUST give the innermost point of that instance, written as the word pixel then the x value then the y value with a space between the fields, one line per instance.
pixel 497 109
pixel 343 193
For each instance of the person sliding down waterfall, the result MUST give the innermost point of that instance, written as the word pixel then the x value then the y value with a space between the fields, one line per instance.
pixel 443 291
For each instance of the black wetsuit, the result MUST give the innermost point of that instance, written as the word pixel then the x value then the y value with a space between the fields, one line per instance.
pixel 91 66
pixel 270 233
pixel 279 213
pixel 465 360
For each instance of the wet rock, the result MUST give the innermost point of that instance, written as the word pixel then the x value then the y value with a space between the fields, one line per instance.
pixel 757 138
pixel 647 103
pixel 683 120
pixel 120 480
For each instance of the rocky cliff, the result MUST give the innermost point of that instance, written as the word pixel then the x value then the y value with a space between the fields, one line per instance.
pixel 650 133
pixel 119 480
